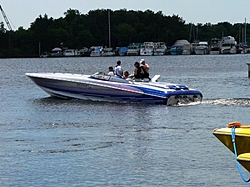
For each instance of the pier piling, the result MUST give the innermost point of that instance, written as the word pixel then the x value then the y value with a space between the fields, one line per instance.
pixel 248 64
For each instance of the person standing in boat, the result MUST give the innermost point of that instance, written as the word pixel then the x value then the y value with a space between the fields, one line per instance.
pixel 118 69
pixel 111 71
pixel 145 68
pixel 138 72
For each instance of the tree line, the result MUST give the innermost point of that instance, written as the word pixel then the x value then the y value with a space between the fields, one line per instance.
pixel 76 30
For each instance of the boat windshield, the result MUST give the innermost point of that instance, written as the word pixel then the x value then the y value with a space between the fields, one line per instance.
pixel 105 77
pixel 101 76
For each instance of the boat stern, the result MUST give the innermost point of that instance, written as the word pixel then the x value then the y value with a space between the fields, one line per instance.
pixel 181 94
pixel 184 99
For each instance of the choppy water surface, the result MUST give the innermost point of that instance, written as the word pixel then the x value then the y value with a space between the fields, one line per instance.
pixel 52 142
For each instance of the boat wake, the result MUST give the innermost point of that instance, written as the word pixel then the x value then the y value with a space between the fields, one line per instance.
pixel 245 102
pixel 181 104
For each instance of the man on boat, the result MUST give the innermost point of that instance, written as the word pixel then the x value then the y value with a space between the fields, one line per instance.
pixel 118 69
pixel 145 68
pixel 138 72
pixel 111 71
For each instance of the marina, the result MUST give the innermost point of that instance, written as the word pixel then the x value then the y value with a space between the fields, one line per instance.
pixel 48 141
pixel 225 45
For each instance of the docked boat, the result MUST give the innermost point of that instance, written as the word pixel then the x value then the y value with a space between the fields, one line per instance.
pixel 70 52
pixel 96 51
pixel 186 49
pixel 84 52
pixel 193 46
pixel 147 49
pixel 133 50
pixel 160 48
pixel 215 46
pixel 236 138
pixel 108 51
pixel 202 48
pixel 228 45
pixel 122 51
pixel 56 52
pixel 177 48
pixel 44 55
pixel 103 87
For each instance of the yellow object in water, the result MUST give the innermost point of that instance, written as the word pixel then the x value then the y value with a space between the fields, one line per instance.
pixel 242 138
pixel 242 141
pixel 244 160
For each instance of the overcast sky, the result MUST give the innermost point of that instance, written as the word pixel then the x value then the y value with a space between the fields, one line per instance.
pixel 21 13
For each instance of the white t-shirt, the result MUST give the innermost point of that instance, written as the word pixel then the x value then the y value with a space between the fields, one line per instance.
pixel 118 69
pixel 111 73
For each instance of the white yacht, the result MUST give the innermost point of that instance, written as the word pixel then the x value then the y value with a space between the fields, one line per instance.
pixel 202 48
pixel 108 51
pixel 160 48
pixel 186 49
pixel 215 46
pixel 147 49
pixel 228 45
pixel 133 50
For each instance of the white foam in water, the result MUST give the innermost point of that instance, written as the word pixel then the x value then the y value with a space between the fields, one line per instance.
pixel 229 102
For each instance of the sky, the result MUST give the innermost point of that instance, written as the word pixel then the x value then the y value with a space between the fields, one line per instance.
pixel 21 13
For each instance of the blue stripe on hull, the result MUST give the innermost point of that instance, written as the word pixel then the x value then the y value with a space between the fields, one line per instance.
pixel 103 93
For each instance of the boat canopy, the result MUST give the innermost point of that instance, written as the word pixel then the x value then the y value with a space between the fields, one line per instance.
pixel 57 49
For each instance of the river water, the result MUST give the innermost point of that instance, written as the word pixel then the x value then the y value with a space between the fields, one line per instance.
pixel 53 142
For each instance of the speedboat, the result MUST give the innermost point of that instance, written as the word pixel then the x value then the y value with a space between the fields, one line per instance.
pixel 236 138
pixel 103 87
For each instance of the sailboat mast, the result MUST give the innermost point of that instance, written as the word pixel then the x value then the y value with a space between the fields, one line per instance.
pixel 109 27
pixel 245 32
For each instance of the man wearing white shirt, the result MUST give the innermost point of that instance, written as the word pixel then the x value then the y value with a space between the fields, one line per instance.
pixel 118 69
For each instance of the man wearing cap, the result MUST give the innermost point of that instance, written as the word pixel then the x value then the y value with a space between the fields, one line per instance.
pixel 145 68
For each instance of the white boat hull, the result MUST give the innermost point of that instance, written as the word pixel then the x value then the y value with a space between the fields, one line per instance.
pixel 102 87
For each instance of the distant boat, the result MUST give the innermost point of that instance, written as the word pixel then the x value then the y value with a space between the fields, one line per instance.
pixel 193 45
pixel 147 49
pixel 70 52
pixel 177 48
pixel 123 51
pixel 228 45
pixel 202 48
pixel 133 50
pixel 160 48
pixel 84 51
pixel 96 51
pixel 56 52
pixel 186 49
pixel 108 51
pixel 44 55
pixel 215 46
